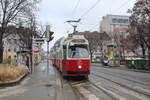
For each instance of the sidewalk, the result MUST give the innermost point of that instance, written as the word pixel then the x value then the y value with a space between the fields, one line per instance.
pixel 38 86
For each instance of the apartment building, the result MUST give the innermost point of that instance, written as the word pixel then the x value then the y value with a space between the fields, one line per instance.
pixel 116 26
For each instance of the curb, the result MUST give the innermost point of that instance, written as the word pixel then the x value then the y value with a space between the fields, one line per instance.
pixel 135 70
pixel 14 82
pixel 117 67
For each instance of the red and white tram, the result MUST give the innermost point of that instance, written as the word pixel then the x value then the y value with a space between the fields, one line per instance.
pixel 71 55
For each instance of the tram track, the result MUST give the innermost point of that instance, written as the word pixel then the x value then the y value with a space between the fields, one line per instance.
pixel 110 73
pixel 144 88
pixel 111 94
pixel 94 91
pixel 79 90
pixel 102 89
pixel 123 86
pixel 74 91
pixel 65 87
pixel 86 90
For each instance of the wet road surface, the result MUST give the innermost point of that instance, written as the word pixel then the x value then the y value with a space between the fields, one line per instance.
pixel 103 84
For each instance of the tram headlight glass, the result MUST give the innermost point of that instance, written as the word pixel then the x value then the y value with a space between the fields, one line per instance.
pixel 79 67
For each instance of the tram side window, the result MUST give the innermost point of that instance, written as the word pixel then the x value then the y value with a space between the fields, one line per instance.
pixel 64 52
pixel 78 51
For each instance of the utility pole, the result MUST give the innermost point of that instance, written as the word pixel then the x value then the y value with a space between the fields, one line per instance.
pixel 32 69
pixel 74 24
pixel 48 35
pixel 48 57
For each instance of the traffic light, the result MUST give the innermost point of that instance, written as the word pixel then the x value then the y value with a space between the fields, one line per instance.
pixel 50 36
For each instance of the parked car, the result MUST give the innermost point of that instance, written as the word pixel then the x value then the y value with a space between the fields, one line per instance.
pixel 105 61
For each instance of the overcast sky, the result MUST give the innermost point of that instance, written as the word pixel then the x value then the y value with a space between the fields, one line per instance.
pixel 56 12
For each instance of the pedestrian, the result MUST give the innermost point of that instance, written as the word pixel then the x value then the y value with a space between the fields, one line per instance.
pixel 9 60
pixel 15 60
pixel 27 62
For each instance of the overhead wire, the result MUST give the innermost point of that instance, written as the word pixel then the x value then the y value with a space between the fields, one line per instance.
pixel 122 5
pixel 95 25
pixel 76 6
pixel 74 11
pixel 92 7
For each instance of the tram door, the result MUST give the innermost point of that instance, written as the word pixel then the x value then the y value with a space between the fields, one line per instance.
pixel 64 57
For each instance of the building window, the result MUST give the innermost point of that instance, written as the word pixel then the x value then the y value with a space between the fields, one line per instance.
pixel 115 20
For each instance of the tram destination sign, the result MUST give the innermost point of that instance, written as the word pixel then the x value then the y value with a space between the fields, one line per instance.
pixel 78 41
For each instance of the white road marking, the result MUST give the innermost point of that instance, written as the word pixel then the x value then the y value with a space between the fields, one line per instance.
pixel 78 84
pixel 87 94
pixel 125 90
pixel 113 94
pixel 130 92
pixel 142 89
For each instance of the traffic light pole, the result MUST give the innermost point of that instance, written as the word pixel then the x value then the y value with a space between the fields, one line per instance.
pixel 32 69
pixel 48 35
pixel 47 57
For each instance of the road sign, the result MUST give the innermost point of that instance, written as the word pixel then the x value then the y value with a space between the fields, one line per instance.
pixel 39 40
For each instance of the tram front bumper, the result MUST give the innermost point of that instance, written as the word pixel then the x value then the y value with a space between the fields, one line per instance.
pixel 77 73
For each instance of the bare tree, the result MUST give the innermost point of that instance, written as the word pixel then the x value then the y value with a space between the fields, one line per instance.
pixel 140 23
pixel 96 40
pixel 11 11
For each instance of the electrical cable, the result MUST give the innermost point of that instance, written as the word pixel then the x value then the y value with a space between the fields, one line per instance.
pixel 92 7
pixel 122 5
pixel 76 6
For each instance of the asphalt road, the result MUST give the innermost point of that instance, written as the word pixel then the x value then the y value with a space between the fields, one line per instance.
pixel 103 84
pixel 121 84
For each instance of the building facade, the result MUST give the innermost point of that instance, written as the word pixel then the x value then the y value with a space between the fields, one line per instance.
pixel 11 46
pixel 117 27
pixel 114 24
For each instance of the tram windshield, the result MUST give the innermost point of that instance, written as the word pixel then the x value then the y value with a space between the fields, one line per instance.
pixel 78 51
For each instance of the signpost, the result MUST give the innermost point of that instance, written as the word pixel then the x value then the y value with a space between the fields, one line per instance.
pixel 48 37
pixel 39 40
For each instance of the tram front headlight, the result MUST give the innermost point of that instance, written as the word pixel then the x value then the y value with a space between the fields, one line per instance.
pixel 79 67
